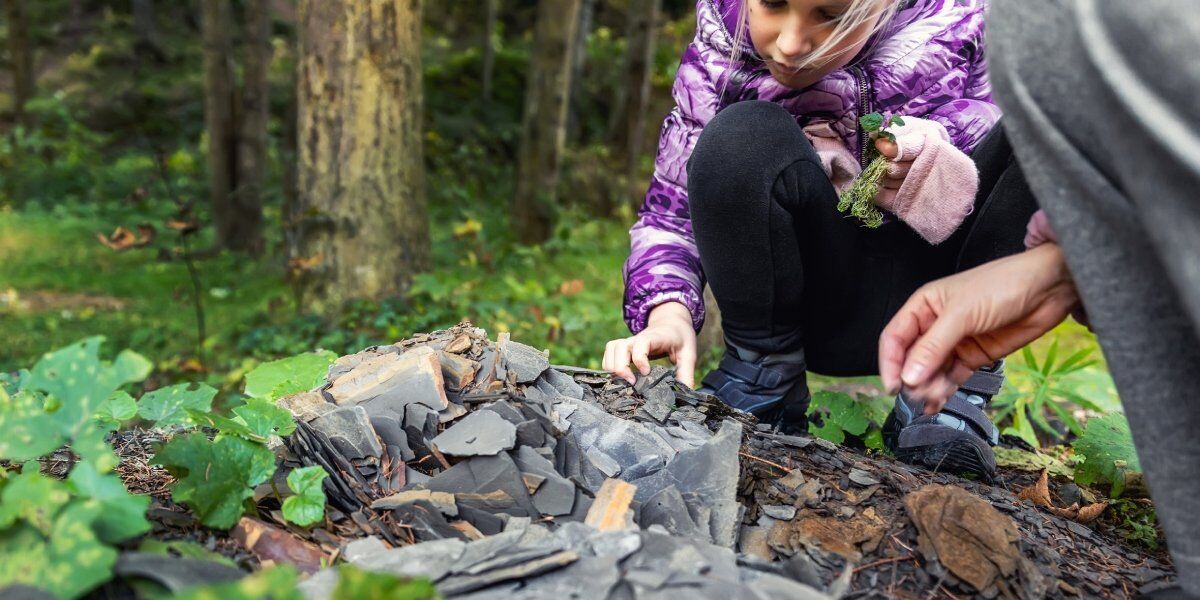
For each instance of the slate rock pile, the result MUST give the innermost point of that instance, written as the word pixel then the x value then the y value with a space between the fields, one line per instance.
pixel 448 440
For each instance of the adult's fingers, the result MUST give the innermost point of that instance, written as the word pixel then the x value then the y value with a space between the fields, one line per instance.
pixel 685 365
pixel 933 348
pixel 900 333
pixel 945 385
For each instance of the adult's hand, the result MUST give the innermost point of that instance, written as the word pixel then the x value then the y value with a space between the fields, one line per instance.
pixel 954 325
pixel 668 332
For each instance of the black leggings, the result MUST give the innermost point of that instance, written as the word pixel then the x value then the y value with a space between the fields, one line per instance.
pixel 790 272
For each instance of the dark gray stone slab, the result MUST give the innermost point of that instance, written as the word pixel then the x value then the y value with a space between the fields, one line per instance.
pixel 481 433
pixel 565 384
pixel 174 573
pixel 351 425
pixel 668 509
pixel 484 474
pixel 524 361
pixel 425 522
pixel 428 559
pixel 556 495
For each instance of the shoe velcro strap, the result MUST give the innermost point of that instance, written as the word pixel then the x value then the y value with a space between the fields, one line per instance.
pixel 958 406
pixel 983 382
pixel 765 376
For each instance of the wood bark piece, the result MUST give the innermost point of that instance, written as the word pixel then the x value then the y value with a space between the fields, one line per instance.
pixel 389 382
pixel 457 371
pixel 273 544
pixel 611 511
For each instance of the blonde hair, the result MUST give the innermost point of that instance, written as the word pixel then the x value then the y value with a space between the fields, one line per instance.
pixel 859 12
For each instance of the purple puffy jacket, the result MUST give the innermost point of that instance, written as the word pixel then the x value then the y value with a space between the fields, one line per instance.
pixel 928 62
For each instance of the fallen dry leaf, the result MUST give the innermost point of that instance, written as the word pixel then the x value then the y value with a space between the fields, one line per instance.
pixel 570 288
pixel 1039 492
pixel 1091 512
pixel 124 239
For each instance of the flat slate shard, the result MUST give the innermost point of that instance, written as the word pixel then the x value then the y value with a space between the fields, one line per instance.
pixel 171 572
pixel 350 425
pixel 430 559
pixel 523 361
pixel 481 433
pixel 442 501
pixel 556 495
pixel 862 478
pixel 386 383
pixel 307 406
pixel 565 384
pixel 425 521
pixel 453 586
pixel 668 509
pixel 483 475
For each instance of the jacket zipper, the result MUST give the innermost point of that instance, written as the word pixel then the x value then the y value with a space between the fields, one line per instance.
pixel 864 108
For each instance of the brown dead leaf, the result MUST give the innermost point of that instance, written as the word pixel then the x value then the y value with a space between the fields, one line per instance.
pixel 121 239
pixel 571 288
pixel 182 226
pixel 1091 512
pixel 304 264
pixel 1038 493
pixel 270 543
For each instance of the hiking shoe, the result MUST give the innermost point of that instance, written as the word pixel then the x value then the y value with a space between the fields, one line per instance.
pixel 772 387
pixel 958 439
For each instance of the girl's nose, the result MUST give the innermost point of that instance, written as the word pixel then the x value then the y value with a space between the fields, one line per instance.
pixel 793 42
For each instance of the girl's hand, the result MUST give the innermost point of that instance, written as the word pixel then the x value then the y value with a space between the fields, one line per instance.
pixel 668 332
pixel 954 325
pixel 897 170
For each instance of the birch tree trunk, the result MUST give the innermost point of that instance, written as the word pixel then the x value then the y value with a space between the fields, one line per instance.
pixel 361 171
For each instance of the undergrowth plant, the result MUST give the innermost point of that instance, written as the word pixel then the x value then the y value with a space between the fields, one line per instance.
pixel 859 198
pixel 1037 390
pixel 834 415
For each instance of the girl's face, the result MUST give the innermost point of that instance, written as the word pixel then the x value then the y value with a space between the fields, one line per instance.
pixel 786 32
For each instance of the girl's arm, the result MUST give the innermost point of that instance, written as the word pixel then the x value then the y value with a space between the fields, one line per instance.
pixel 968 119
pixel 663 264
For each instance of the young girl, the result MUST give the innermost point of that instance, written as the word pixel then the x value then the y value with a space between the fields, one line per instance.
pixel 764 135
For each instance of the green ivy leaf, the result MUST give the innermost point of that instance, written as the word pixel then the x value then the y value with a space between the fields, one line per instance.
pixel 366 585
pixel 1108 452
pixel 307 506
pixel 60 396
pixel 68 562
pixel 168 406
pixel 118 408
pixel 840 415
pixel 33 498
pixel 276 379
pixel 122 515
pixel 215 477
pixel 871 122
pixel 275 583
pixel 264 419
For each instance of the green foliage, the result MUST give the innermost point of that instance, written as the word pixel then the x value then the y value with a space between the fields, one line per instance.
pixel 366 585
pixel 60 397
pixel 832 415
pixel 256 421
pixel 122 515
pixel 214 478
pixel 1108 454
pixel 307 506
pixel 1137 522
pixel 1016 458
pixel 274 583
pixel 66 560
pixel 170 405
pixel 119 407
pixel 1035 390
pixel 279 378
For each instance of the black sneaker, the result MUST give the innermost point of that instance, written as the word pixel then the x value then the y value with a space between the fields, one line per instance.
pixel 958 439
pixel 772 387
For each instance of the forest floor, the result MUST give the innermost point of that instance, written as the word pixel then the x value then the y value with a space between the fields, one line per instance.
pixel 855 523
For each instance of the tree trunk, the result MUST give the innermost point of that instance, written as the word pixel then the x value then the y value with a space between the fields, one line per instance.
pixel 544 125
pixel 361 169
pixel 219 120
pixel 489 49
pixel 587 10
pixel 144 29
pixel 252 128
pixel 22 57
pixel 629 130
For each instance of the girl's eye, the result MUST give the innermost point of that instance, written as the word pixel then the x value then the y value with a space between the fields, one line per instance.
pixel 773 4
pixel 830 15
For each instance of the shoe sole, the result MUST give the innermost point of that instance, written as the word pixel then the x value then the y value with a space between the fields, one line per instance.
pixel 952 456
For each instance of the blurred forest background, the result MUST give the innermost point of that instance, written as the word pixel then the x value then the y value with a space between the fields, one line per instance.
pixel 216 183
